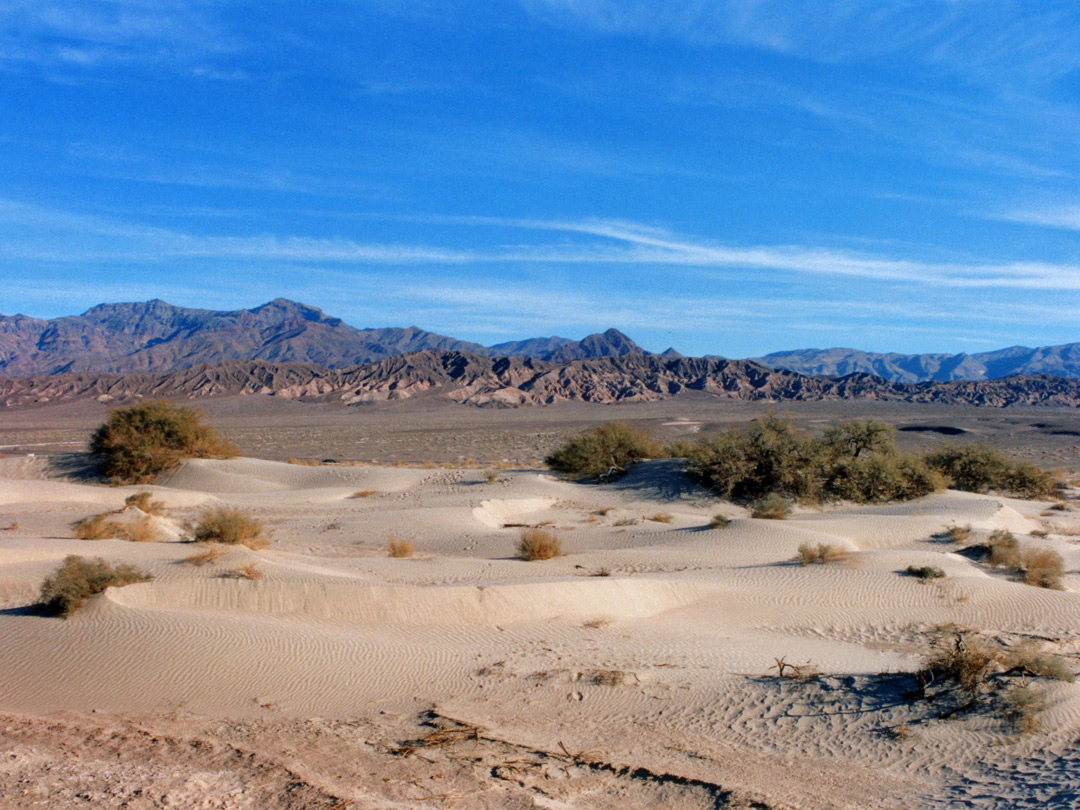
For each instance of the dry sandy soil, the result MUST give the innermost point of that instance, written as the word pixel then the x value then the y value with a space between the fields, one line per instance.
pixel 636 670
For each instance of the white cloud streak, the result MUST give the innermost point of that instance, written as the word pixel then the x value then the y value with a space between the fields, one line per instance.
pixel 63 237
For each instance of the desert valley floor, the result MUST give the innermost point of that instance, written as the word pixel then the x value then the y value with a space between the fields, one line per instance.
pixel 636 670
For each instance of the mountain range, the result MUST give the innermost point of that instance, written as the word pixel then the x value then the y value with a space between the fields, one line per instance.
pixel 1059 361
pixel 157 337
pixel 472 379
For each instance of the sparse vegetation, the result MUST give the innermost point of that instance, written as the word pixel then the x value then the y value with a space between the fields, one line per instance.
pixel 538 544
pixel 1028 659
pixel 492 477
pixel 771 507
pixel 1043 568
pixel 363 493
pixel 138 443
pixel 79 578
pixel 140 530
pixel 1025 707
pixel 223 524
pixel 799 672
pixel 959 534
pixel 979 468
pixel 207 557
pixel 820 554
pixel 925 572
pixel 661 517
pixel 250 571
pixel 1003 550
pixel 604 451
pixel 144 502
pixel 983 670
pixel 856 461
pixel 96 527
pixel 963 659
pixel 400 548
pixel 719 521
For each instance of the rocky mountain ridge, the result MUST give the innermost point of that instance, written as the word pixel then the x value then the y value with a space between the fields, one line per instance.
pixel 472 379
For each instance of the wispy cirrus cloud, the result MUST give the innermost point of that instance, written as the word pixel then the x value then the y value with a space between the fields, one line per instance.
pixel 1065 216
pixel 99 33
pixel 977 38
pixel 593 242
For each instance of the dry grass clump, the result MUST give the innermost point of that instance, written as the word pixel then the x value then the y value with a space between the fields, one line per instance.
pixel 138 443
pixel 538 544
pixel 1025 707
pixel 604 451
pixel 925 572
pixel 1029 660
pixel 13 527
pixel 719 521
pixel 771 507
pixel 959 534
pixel 492 477
pixel 661 517
pixel 208 557
pixel 1043 568
pixel 144 502
pixel 249 572
pixel 979 468
pixel 978 667
pixel 96 527
pixel 1003 550
pixel 798 672
pixel 964 659
pixel 224 524
pixel 400 548
pixel 79 578
pixel 363 493
pixel 820 554
pixel 140 530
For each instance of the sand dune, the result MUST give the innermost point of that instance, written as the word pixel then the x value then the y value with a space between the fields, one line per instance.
pixel 651 642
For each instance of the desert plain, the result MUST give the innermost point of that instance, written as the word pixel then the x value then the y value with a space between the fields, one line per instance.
pixel 639 669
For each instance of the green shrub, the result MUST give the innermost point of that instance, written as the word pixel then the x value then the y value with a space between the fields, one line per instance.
pixel 719 521
pixel 854 461
pixel 138 443
pixel 79 578
pixel 979 468
pixel 771 507
pixel 925 572
pixel 613 447
pixel 769 456
pixel 223 524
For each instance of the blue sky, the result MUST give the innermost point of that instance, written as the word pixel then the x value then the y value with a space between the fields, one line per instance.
pixel 724 177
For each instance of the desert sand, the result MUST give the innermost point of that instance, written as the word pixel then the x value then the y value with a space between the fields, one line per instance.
pixel 636 670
